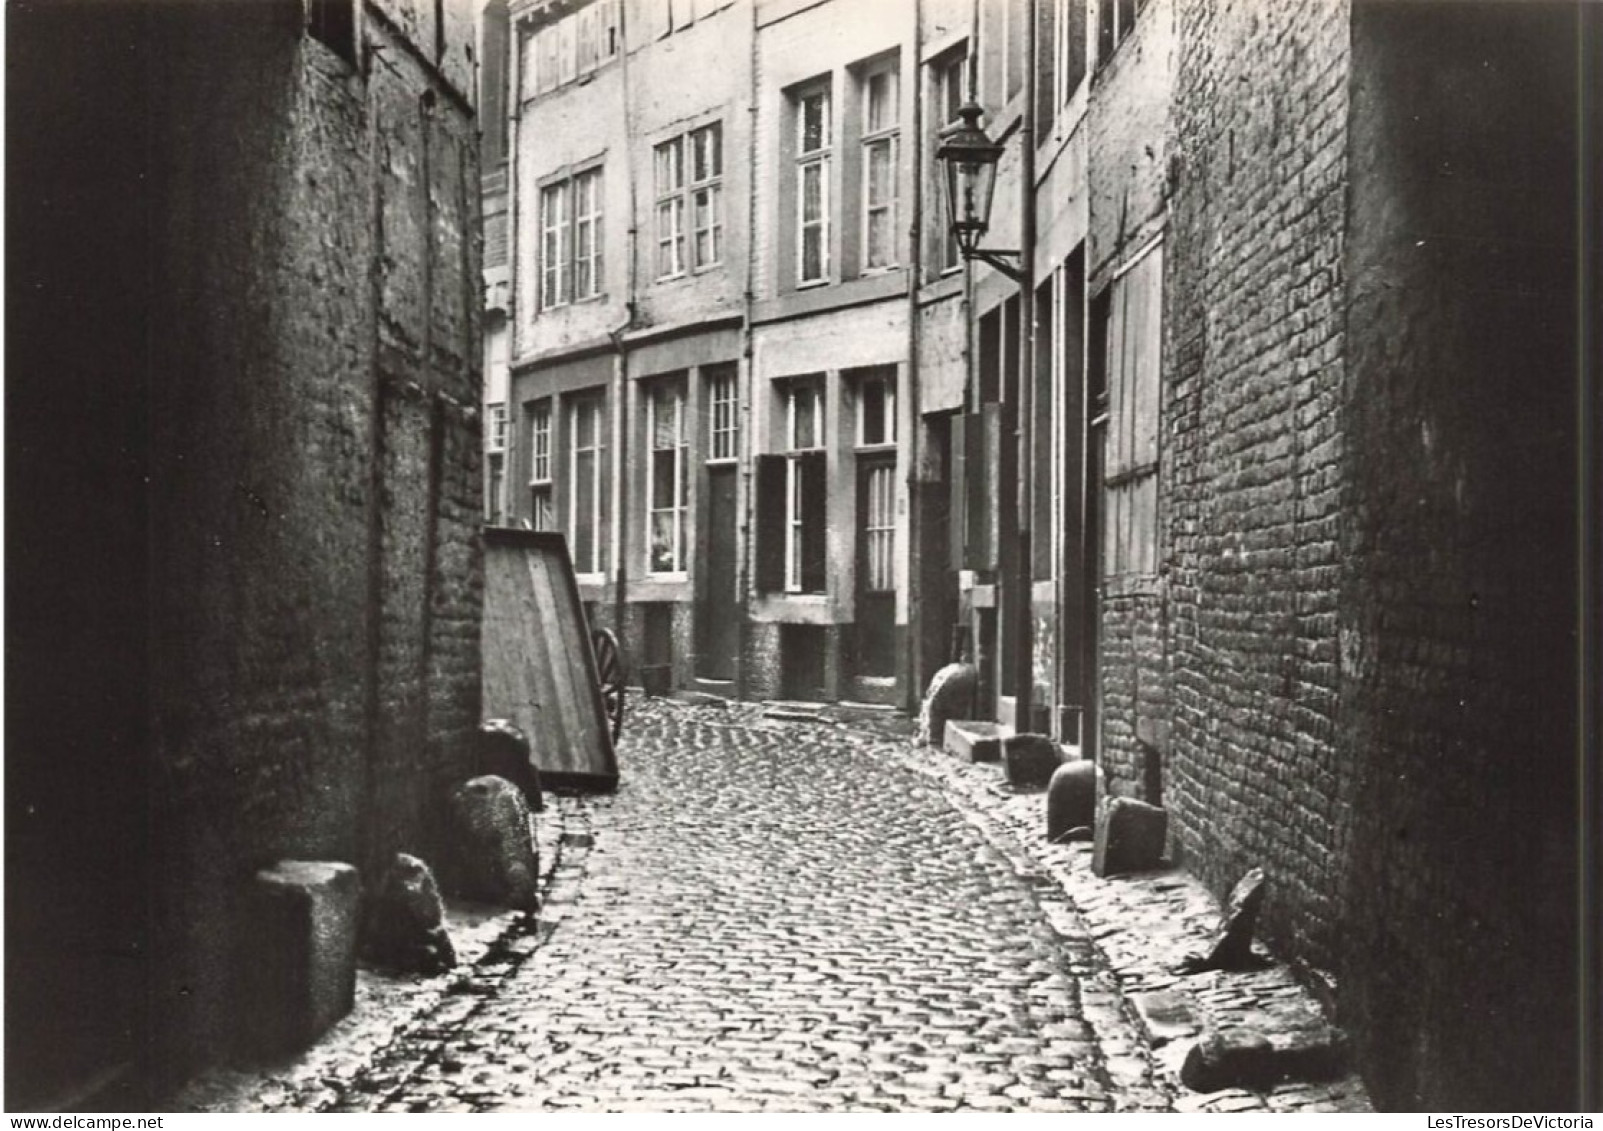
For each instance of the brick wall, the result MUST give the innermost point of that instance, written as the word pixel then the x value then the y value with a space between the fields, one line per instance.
pixel 1457 905
pixel 308 383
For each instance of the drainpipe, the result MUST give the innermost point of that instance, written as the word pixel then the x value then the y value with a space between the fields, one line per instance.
pixel 913 662
pixel 1025 625
pixel 746 563
pixel 619 348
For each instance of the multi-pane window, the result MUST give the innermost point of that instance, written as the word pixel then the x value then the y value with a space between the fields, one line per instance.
pixel 570 48
pixel 541 512
pixel 879 527
pixel 1115 20
pixel 804 433
pixel 1134 332
pixel 494 461
pixel 570 239
pixel 689 179
pixel 723 401
pixel 876 408
pixel 1068 69
pixel 880 122
pixel 812 185
pixel 587 534
pixel 947 87
pixel 667 477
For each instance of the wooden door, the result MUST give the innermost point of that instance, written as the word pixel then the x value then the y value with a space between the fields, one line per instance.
pixel 718 610
pixel 876 567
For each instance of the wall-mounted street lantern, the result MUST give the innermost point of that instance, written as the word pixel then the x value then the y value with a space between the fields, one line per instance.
pixel 970 158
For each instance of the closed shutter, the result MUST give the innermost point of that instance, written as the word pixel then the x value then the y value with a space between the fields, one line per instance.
pixel 770 523
pixel 814 503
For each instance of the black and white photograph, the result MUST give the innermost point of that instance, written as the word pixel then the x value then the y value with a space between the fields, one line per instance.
pixel 802 556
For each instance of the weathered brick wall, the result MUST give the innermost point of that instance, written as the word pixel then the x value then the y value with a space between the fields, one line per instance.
pixel 1457 721
pixel 1251 451
pixel 315 475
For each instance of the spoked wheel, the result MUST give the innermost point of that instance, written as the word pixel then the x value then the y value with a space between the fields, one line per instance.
pixel 609 674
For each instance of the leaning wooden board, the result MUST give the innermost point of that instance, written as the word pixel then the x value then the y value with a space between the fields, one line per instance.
pixel 539 670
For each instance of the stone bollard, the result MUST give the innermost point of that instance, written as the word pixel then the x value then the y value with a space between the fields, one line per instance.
pixel 1232 943
pixel 503 750
pixel 1129 837
pixel 405 925
pixel 301 974
pixel 1238 1058
pixel 494 844
pixel 1071 801
pixel 950 696
pixel 1029 760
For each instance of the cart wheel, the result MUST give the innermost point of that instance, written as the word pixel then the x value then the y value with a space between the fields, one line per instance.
pixel 609 674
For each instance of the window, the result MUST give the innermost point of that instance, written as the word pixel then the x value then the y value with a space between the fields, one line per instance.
pixel 333 23
pixel 876 408
pixel 880 123
pixel 804 432
pixel 570 240
pixel 1134 337
pixel 723 399
pixel 689 174
pixel 1115 19
pixel 587 533
pixel 948 75
pixel 541 515
pixel 667 477
pixel 812 186
pixel 1068 48
pixel 570 48
pixel 494 461
pixel 879 527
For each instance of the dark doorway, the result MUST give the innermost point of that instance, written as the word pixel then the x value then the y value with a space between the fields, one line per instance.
pixel 718 611
pixel 876 566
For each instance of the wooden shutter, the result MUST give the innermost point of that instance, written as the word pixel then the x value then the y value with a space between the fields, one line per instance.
pixel 770 523
pixel 814 509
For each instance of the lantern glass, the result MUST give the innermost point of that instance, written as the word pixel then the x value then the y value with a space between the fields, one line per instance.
pixel 970 159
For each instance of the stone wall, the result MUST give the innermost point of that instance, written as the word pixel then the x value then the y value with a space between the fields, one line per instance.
pixel 305 583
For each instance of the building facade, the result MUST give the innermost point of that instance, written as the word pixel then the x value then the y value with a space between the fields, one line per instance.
pixel 1255 483
pixel 247 627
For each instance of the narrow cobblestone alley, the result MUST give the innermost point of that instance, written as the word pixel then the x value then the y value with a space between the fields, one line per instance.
pixel 766 917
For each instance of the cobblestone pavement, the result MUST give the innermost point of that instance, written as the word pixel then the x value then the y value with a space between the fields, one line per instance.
pixel 765 917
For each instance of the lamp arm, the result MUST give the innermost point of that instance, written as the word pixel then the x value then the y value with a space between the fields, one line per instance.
pixel 997 260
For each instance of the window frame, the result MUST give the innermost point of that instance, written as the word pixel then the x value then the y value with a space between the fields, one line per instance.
pixel 723 414
pixel 885 378
pixel 542 511
pixel 948 74
pixel 796 518
pixel 678 508
pixel 886 136
pixel 1132 454
pixel 561 264
pixel 678 220
pixel 819 162
pixel 596 402
pixel 712 185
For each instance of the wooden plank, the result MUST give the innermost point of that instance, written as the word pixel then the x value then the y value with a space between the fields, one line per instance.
pixel 538 667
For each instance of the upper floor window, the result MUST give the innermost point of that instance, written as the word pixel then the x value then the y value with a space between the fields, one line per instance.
pixel 677 15
pixel 948 85
pixel 723 399
pixel 812 116
pixel 570 48
pixel 1068 69
pixel 570 239
pixel 689 181
pixel 881 121
pixel 495 430
pixel 667 477
pixel 334 22
pixel 1131 326
pixel 1114 21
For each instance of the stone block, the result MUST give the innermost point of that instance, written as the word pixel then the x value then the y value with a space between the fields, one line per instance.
pixel 974 741
pixel 1071 801
pixel 497 861
pixel 405 923
pixel 300 977
pixel 503 751
pixel 950 696
pixel 1029 760
pixel 1129 837
pixel 1232 943
pixel 1237 1058
pixel 1168 1016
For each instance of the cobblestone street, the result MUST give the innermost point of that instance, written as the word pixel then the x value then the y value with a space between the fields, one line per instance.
pixel 766 916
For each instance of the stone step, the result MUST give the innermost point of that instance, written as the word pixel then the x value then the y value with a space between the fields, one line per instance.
pixel 975 740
